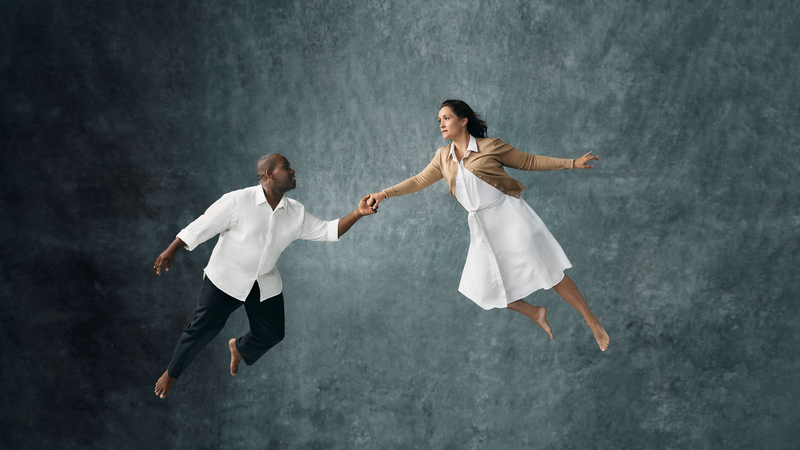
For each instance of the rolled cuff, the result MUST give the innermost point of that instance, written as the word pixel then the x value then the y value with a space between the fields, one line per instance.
pixel 189 239
pixel 333 230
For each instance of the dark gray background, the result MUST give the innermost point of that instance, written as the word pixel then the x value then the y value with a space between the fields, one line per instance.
pixel 122 121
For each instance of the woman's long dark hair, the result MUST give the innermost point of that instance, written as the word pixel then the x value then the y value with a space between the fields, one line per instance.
pixel 475 125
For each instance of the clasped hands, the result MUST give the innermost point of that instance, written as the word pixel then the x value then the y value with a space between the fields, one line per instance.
pixel 369 203
pixel 373 200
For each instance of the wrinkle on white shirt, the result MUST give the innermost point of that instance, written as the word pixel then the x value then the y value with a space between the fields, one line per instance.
pixel 251 238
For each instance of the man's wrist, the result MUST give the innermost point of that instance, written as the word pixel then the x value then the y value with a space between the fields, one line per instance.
pixel 176 245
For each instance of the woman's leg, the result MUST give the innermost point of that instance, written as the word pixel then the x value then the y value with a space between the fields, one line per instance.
pixel 572 295
pixel 536 313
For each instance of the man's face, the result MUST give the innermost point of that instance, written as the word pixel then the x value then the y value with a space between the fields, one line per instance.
pixel 283 175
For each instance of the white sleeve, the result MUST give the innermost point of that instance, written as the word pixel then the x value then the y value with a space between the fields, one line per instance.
pixel 217 218
pixel 314 229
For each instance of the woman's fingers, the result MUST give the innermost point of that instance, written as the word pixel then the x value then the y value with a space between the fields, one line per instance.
pixel 580 163
pixel 374 200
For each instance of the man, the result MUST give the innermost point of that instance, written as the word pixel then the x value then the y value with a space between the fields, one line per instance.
pixel 255 225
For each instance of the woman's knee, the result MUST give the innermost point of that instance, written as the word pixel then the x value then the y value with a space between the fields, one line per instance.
pixel 561 284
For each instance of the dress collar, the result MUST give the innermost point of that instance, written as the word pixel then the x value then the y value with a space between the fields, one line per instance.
pixel 471 147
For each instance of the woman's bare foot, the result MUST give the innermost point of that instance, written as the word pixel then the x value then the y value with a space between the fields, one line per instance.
pixel 236 357
pixel 599 333
pixel 164 384
pixel 537 314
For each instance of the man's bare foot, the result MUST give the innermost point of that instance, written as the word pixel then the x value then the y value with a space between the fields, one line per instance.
pixel 539 315
pixel 164 384
pixel 599 334
pixel 236 358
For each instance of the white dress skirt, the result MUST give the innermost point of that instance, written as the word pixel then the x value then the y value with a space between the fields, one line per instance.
pixel 511 251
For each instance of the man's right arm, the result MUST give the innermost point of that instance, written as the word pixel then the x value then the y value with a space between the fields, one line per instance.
pixel 167 257
pixel 217 218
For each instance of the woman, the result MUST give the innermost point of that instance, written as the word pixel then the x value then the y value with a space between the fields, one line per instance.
pixel 511 252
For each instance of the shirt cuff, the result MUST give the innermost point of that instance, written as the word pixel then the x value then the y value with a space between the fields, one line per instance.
pixel 189 239
pixel 333 230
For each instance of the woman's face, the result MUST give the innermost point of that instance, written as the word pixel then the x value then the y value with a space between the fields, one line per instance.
pixel 449 124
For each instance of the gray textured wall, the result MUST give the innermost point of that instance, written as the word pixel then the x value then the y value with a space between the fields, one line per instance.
pixel 122 121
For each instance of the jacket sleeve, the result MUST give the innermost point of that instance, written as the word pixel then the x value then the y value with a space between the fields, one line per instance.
pixel 427 177
pixel 511 157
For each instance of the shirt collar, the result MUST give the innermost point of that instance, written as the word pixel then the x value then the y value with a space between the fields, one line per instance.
pixel 261 198
pixel 471 147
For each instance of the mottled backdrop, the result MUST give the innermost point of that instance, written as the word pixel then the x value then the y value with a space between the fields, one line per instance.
pixel 123 120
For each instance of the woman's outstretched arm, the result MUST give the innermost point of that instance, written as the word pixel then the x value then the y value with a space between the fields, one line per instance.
pixel 427 177
pixel 511 157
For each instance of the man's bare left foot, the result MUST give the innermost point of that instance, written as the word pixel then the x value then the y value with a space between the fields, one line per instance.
pixel 164 384
pixel 599 334
pixel 236 357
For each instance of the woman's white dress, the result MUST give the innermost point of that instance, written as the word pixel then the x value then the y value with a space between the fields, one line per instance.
pixel 511 251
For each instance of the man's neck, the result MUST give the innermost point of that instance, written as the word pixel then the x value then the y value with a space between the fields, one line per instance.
pixel 274 196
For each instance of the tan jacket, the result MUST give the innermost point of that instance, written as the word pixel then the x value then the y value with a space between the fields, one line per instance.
pixel 487 164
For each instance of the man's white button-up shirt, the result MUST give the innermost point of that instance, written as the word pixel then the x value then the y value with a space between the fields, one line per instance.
pixel 251 238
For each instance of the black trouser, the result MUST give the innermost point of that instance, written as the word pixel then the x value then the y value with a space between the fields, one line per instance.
pixel 266 326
